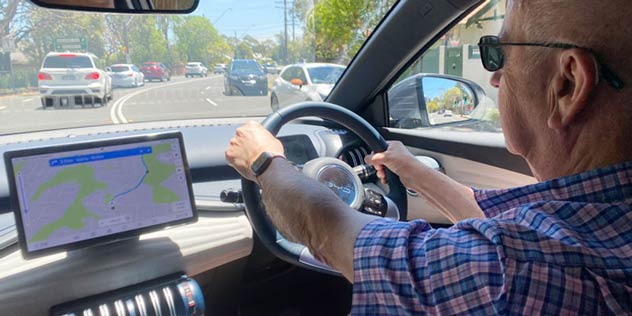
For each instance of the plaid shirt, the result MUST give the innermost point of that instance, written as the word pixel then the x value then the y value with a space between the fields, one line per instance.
pixel 561 247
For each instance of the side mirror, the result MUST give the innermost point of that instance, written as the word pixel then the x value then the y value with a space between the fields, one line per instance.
pixel 425 100
pixel 297 82
pixel 447 100
pixel 108 69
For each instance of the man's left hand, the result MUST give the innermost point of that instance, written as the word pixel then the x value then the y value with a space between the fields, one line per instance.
pixel 249 142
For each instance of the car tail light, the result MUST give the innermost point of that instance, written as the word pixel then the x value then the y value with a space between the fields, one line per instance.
pixel 130 75
pixel 93 76
pixel 44 76
pixel 67 55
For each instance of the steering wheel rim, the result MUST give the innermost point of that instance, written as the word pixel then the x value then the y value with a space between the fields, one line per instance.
pixel 261 224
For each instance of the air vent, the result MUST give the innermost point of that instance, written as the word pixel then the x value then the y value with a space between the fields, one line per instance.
pixel 354 155
pixel 169 296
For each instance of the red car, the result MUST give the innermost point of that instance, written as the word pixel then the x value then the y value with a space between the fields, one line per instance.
pixel 154 70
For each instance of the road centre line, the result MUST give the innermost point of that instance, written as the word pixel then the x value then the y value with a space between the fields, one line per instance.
pixel 211 102
pixel 116 111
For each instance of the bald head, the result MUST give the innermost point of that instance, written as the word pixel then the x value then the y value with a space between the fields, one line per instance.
pixel 601 25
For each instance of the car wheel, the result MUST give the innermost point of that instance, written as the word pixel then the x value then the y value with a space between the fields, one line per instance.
pixel 162 79
pixel 274 102
pixel 103 101
pixel 169 78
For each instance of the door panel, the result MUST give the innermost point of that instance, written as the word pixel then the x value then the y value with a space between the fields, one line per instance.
pixel 474 174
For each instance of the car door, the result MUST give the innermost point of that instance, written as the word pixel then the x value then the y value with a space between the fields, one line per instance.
pixel 453 121
pixel 286 92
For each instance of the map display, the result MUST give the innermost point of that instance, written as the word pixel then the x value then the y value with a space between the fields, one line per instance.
pixel 78 195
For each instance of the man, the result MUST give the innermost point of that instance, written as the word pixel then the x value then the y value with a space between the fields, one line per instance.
pixel 559 247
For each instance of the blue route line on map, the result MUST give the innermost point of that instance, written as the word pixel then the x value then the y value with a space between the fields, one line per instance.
pixel 137 185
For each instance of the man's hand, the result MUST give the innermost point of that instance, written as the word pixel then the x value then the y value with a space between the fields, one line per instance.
pixel 249 142
pixel 397 158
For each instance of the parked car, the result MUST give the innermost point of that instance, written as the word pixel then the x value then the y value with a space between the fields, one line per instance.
pixel 156 71
pixel 195 69
pixel 126 75
pixel 245 77
pixel 73 79
pixel 271 68
pixel 304 82
pixel 219 69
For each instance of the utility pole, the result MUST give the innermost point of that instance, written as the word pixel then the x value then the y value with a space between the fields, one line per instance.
pixel 285 25
pixel 293 17
pixel 128 57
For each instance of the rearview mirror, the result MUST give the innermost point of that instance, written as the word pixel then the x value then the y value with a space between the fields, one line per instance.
pixel 126 6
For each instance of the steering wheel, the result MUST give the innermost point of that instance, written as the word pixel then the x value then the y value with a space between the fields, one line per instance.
pixel 346 182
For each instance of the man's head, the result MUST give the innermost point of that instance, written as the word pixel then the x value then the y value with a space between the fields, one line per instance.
pixel 556 109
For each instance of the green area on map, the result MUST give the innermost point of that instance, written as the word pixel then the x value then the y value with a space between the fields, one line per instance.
pixel 18 167
pixel 159 172
pixel 74 216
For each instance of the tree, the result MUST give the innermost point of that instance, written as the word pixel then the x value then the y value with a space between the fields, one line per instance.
pixel 339 27
pixel 198 40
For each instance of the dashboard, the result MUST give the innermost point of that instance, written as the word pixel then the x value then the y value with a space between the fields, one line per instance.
pixel 221 235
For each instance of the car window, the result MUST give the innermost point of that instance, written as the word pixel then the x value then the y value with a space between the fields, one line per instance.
pixel 287 74
pixel 119 68
pixel 325 74
pixel 300 74
pixel 230 34
pixel 67 61
pixel 447 88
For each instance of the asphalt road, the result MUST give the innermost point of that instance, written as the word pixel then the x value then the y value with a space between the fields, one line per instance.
pixel 181 98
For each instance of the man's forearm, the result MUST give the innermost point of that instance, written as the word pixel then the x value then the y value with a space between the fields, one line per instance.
pixel 449 197
pixel 307 212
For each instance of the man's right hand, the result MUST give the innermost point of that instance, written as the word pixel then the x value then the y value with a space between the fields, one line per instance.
pixel 396 158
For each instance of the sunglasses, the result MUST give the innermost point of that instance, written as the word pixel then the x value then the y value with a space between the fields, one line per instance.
pixel 493 57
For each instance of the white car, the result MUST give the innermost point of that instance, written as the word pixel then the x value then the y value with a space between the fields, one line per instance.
pixel 195 69
pixel 126 75
pixel 304 82
pixel 73 79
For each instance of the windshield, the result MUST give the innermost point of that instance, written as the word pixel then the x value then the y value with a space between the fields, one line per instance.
pixel 325 75
pixel 221 35
pixel 67 62
pixel 245 66
pixel 120 68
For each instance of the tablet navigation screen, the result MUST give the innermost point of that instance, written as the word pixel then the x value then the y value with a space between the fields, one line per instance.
pixel 71 196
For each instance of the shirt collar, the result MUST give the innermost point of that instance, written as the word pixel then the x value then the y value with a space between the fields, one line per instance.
pixel 611 185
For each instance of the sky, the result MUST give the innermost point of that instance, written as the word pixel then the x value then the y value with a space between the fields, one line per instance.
pixel 261 19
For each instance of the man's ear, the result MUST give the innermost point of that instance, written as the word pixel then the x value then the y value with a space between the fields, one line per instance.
pixel 576 78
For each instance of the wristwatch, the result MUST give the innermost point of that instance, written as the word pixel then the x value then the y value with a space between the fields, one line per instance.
pixel 262 162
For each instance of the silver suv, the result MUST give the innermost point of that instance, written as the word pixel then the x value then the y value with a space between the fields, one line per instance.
pixel 195 69
pixel 73 79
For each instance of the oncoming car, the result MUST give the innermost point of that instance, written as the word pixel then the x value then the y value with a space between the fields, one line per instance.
pixel 245 77
pixel 73 79
pixel 304 82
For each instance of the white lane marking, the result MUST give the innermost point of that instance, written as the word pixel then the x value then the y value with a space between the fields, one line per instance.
pixel 116 111
pixel 211 102
pixel 207 88
pixel 2 107
pixel 27 100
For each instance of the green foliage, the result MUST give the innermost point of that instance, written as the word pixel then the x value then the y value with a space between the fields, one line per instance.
pixel 198 40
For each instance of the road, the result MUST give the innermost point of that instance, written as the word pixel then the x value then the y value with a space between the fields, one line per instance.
pixel 181 98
